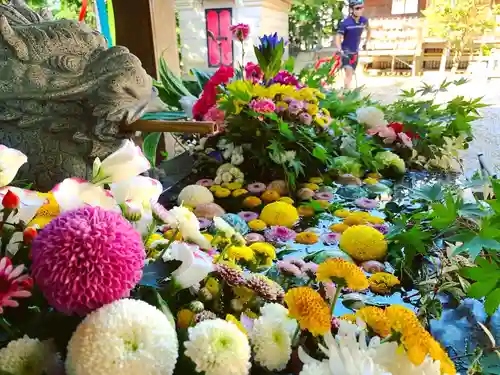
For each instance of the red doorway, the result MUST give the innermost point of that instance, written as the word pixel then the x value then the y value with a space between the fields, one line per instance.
pixel 219 39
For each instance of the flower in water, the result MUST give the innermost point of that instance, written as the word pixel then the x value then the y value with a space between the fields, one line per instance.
pixel 207 182
pixel 74 193
pixel 330 291
pixel 342 273
pixel 93 242
pixel 218 347
pixel 383 282
pixel 382 228
pixel 214 114
pixel 375 319
pixel 310 269
pixel 182 219
pixel 330 238
pixel 363 243
pixel 262 105
pixel 288 269
pixel 251 238
pixel 256 188
pixel 13 284
pixel 280 214
pixel 204 223
pixel 140 338
pixel 285 78
pixel 279 234
pixel 306 238
pixel 310 310
pixel 265 253
pixel 323 195
pixel 248 215
pixel 10 162
pixel 253 72
pixel 257 225
pixel 405 139
pixel 240 31
pixel 366 203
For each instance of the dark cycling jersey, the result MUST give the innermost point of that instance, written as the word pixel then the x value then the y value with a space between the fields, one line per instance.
pixel 352 31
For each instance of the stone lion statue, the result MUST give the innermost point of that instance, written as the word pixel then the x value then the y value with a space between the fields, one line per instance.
pixel 63 93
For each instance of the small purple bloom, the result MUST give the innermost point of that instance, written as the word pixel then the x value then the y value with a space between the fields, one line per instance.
pixel 366 203
pixel 330 238
pixel 248 215
pixel 256 188
pixel 295 107
pixel 204 223
pixel 279 234
pixel 335 323
pixel 305 118
pixel 310 269
pixel 254 237
pixel 288 269
pixel 382 228
pixel 285 78
pixel 207 182
pixel 324 195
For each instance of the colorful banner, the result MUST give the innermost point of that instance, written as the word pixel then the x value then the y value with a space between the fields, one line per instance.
pixel 102 15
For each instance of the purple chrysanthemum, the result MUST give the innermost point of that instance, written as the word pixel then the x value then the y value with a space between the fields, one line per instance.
pixel 286 78
pixel 288 269
pixel 207 182
pixel 86 258
pixel 324 196
pixel 295 107
pixel 330 238
pixel 366 203
pixel 251 238
pixel 382 228
pixel 204 223
pixel 256 188
pixel 305 118
pixel 248 215
pixel 279 234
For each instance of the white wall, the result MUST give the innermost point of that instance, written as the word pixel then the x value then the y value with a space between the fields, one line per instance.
pixel 263 17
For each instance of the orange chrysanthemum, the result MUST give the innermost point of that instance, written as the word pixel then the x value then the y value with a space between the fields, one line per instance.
pixel 343 273
pixel 309 309
pixel 375 319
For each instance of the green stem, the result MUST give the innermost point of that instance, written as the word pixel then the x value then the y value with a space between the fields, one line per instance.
pixel 151 230
pixel 7 327
pixel 172 239
pixel 296 336
pixel 335 298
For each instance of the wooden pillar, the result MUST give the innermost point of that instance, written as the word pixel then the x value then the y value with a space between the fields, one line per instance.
pixel 147 28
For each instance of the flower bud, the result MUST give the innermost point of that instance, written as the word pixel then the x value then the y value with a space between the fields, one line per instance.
pixel 29 235
pixel 196 306
pixel 10 201
pixel 132 211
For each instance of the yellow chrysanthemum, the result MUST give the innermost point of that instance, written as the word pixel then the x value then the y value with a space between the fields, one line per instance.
pixel 282 105
pixel 232 185
pixel 185 318
pixel 232 319
pixel 349 317
pixel 342 213
pixel 222 193
pixel 239 192
pixel 415 339
pixel 208 236
pixel 252 202
pixel 375 319
pixel 170 233
pixel 244 294
pixel 257 225
pixel 339 227
pixel 264 248
pixel 356 218
pixel 214 188
pixel 370 181
pixel 374 220
pixel 270 196
pixel 47 212
pixel 309 309
pixel 287 200
pixel 342 272
pixel 280 213
pixel 383 282
pixel 154 237
pixel 306 238
pixel 306 211
pixel 363 243
pixel 213 285
pixel 322 121
pixel 311 186
pixel 312 109
pixel 237 253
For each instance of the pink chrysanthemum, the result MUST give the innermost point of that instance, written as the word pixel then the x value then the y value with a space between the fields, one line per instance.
pixel 278 234
pixel 87 258
pixel 262 105
pixel 12 284
pixel 288 269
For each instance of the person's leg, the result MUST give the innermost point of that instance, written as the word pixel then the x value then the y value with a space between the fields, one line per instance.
pixel 348 72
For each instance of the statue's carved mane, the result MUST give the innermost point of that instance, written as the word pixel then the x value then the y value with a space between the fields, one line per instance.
pixel 18 13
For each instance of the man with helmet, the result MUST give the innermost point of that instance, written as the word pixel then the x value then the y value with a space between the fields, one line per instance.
pixel 348 38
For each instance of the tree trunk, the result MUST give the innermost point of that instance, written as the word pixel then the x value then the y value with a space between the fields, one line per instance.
pixel 458 56
pixel 444 58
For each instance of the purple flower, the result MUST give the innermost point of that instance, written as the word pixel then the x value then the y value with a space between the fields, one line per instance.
pixel 382 228
pixel 288 269
pixel 256 188
pixel 297 261
pixel 286 78
pixel 207 182
pixel 310 269
pixel 248 215
pixel 204 223
pixel 295 107
pixel 305 118
pixel 279 234
pixel 323 195
pixel 254 237
pixel 335 323
pixel 330 238
pixel 366 203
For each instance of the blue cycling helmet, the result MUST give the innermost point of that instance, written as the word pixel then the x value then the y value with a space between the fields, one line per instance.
pixel 353 3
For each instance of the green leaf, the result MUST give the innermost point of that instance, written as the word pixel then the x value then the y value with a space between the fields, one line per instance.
pixel 445 213
pixel 150 146
pixel 320 153
pixel 289 64
pixel 482 288
pixel 476 245
pixel 492 301
pixel 431 193
pixel 163 305
pixel 285 131
pixel 475 273
pixel 201 77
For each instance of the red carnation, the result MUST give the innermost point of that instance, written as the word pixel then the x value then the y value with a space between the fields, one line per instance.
pixel 399 128
pixel 29 234
pixel 209 95
pixel 10 201
pixel 240 31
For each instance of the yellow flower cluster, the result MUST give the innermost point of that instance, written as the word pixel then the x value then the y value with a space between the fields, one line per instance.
pixel 240 253
pixel 279 213
pixel 416 340
pixel 309 309
pixel 363 243
pixel 306 238
pixel 264 252
pixel 257 225
pixel 375 319
pixel 383 282
pixel 343 273
pixel 270 196
pixel 252 202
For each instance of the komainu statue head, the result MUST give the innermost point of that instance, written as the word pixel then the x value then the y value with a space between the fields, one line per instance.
pixel 63 93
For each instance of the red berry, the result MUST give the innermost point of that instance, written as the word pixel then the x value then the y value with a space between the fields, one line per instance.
pixel 10 201
pixel 29 234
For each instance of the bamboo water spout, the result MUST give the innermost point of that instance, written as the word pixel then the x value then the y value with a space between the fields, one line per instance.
pixel 186 127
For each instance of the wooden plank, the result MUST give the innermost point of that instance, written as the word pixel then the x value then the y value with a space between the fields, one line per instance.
pixel 187 127
pixel 147 28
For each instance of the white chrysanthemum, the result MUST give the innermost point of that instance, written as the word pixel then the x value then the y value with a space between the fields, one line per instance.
pixel 194 195
pixel 27 356
pixel 316 368
pixel 126 337
pixel 280 313
pixel 271 343
pixel 372 117
pixel 218 347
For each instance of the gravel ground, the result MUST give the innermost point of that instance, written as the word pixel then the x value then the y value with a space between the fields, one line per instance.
pixel 486 129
